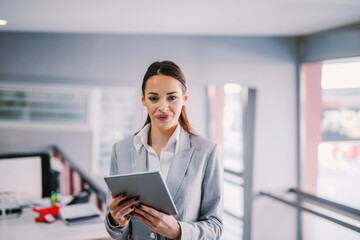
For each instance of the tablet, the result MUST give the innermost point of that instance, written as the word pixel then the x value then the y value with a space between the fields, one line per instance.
pixel 149 186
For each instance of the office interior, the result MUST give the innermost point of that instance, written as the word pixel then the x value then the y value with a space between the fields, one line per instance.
pixel 276 104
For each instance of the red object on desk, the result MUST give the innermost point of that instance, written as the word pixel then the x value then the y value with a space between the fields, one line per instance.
pixel 47 214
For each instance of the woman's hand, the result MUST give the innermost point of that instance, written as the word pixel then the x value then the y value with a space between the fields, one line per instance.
pixel 159 222
pixel 120 208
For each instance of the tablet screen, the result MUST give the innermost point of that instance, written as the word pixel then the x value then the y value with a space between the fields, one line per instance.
pixel 149 186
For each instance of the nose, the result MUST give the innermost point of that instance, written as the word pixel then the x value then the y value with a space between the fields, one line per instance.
pixel 163 106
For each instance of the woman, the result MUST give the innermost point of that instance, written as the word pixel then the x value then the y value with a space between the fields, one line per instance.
pixel 190 164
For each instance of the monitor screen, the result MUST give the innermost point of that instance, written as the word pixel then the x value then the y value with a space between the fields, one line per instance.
pixel 23 176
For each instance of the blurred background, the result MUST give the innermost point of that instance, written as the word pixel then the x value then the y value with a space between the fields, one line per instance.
pixel 275 82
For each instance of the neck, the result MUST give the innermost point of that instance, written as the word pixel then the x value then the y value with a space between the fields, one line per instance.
pixel 160 137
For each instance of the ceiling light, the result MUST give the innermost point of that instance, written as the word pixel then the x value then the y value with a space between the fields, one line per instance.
pixel 3 22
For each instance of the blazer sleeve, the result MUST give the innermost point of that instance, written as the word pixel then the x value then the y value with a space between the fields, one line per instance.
pixel 116 232
pixel 209 224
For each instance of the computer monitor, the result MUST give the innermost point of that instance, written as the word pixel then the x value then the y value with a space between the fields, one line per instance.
pixel 28 175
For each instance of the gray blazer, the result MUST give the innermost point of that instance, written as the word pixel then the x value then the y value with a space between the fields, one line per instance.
pixel 194 180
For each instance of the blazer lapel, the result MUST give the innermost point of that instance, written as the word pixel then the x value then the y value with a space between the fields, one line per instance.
pixel 180 163
pixel 138 160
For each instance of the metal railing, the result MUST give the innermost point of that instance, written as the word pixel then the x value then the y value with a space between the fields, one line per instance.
pixel 320 202
pixel 330 205
pixel 85 179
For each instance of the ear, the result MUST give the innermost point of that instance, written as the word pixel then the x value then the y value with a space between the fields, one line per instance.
pixel 186 95
pixel 142 99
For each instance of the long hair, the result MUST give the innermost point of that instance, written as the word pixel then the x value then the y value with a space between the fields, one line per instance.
pixel 168 68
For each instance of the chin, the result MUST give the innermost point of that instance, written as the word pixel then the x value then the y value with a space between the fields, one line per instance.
pixel 165 125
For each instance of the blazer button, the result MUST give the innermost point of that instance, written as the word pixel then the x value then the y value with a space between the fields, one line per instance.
pixel 152 235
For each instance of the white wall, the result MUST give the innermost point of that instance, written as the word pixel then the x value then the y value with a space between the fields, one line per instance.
pixel 268 64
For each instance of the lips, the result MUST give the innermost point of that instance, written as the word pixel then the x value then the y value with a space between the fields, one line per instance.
pixel 162 117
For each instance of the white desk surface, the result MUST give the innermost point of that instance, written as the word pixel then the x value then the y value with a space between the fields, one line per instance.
pixel 25 227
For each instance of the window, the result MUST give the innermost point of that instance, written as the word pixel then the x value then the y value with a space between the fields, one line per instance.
pixel 108 113
pixel 49 105
pixel 330 136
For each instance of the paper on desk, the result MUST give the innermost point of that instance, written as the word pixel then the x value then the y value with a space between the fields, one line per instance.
pixel 80 213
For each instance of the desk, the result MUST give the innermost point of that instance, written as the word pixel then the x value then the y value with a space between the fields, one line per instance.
pixel 25 227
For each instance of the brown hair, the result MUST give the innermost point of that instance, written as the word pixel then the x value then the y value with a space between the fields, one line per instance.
pixel 168 68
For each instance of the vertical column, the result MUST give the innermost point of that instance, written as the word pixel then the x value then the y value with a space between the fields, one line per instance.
pixel 310 123
pixel 249 102
pixel 216 106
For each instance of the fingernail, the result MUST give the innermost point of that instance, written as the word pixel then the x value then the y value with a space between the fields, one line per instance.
pixel 132 207
pixel 128 218
pixel 123 195
pixel 112 196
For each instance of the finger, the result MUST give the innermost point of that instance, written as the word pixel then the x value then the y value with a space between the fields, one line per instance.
pixel 126 207
pixel 115 201
pixel 117 217
pixel 120 197
pixel 128 203
pixel 128 210
pixel 120 214
pixel 145 214
pixel 143 219
pixel 122 220
pixel 150 210
pixel 126 221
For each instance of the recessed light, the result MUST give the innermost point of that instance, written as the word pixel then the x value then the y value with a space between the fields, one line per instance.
pixel 3 22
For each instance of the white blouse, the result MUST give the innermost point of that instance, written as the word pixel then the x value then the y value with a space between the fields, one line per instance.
pixel 167 154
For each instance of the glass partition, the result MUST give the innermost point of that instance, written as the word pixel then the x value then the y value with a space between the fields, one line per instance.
pixel 231 110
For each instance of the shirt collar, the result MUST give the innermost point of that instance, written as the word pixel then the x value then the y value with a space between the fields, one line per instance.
pixel 141 139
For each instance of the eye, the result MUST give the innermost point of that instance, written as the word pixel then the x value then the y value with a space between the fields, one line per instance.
pixel 172 98
pixel 152 99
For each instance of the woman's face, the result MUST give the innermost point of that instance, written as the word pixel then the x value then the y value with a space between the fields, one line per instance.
pixel 164 99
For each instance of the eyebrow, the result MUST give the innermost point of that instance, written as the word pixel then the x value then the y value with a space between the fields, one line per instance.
pixel 169 93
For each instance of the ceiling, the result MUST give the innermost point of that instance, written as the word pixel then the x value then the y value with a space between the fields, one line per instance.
pixel 186 17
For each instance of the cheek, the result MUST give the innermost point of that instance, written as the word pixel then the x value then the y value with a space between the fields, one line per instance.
pixel 151 108
pixel 177 108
